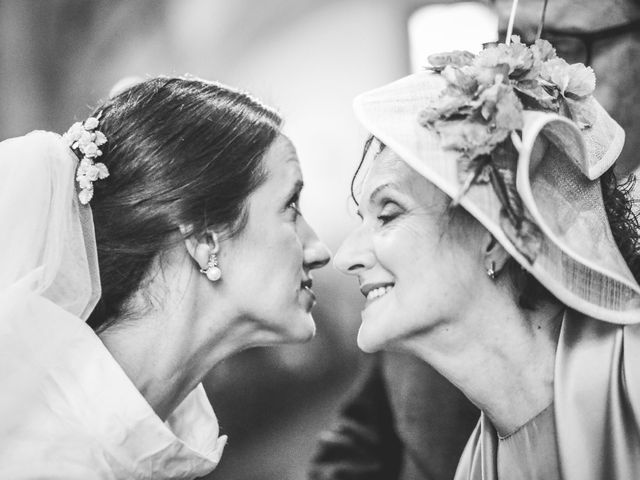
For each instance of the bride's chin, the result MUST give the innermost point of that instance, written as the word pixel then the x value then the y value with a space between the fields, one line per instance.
pixel 301 329
pixel 309 330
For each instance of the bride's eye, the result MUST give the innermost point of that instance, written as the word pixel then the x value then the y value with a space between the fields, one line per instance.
pixel 294 205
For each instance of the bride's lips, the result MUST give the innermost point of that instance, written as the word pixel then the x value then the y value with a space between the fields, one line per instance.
pixel 305 287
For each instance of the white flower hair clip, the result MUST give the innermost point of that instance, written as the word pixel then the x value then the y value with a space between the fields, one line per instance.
pixel 83 137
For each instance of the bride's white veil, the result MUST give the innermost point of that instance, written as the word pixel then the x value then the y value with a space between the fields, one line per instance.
pixel 52 368
pixel 47 244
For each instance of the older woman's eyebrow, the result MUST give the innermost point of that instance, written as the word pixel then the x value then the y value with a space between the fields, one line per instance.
pixel 380 189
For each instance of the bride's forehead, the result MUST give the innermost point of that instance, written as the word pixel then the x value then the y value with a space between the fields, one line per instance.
pixel 281 160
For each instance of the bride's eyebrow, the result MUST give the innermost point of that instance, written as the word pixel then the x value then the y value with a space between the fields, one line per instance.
pixel 296 189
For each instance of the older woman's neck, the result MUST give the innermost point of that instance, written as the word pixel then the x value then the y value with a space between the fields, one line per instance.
pixel 501 358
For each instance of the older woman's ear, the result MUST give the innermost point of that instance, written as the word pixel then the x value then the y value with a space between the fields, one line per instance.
pixel 495 256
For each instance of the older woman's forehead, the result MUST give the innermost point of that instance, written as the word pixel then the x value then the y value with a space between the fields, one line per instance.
pixel 388 168
pixel 389 165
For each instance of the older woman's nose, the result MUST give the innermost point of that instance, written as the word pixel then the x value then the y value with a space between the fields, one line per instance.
pixel 355 254
pixel 315 253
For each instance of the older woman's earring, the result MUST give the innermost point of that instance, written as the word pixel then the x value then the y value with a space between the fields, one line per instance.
pixel 212 271
pixel 491 271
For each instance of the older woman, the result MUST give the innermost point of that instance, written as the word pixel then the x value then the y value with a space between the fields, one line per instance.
pixel 199 251
pixel 496 245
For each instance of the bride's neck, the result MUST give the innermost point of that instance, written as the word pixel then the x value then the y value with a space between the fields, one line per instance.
pixel 162 363
pixel 502 359
pixel 168 349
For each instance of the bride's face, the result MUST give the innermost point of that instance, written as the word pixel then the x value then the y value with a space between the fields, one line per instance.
pixel 414 266
pixel 267 266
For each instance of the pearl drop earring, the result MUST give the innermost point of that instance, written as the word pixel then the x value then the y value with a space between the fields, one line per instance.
pixel 212 271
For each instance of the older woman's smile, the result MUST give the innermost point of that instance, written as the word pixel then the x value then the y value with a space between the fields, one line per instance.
pixel 373 291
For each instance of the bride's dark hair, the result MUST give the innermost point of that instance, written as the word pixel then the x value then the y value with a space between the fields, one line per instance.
pixel 180 151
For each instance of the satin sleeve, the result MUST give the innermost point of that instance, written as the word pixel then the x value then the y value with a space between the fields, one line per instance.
pixel 597 398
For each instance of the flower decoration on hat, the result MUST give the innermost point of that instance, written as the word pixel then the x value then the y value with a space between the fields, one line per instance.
pixel 481 108
pixel 84 139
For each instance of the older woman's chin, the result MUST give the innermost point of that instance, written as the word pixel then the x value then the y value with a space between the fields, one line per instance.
pixel 389 332
pixel 370 339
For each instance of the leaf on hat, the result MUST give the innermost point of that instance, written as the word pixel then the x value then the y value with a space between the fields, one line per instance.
pixel 505 156
pixel 461 79
pixel 449 105
pixel 527 238
pixel 472 171
pixel 470 138
pixel 534 96
pixel 508 114
pixel 457 58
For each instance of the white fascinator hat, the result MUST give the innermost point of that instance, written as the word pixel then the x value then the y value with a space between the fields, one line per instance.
pixel 451 123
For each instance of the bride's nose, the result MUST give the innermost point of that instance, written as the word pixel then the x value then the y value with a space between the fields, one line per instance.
pixel 315 253
pixel 355 253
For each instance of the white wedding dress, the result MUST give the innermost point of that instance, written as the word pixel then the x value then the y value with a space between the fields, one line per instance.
pixel 67 409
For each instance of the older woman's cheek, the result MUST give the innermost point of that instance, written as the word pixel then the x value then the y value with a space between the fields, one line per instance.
pixel 388 247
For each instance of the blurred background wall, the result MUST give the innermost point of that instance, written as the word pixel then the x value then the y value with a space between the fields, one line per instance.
pixel 308 58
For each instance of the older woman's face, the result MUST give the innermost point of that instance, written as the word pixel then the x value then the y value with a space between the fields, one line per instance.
pixel 413 267
pixel 267 267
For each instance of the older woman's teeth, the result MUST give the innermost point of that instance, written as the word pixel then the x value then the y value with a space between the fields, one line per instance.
pixel 378 292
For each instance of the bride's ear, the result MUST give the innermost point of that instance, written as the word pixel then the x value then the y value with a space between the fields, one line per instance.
pixel 200 248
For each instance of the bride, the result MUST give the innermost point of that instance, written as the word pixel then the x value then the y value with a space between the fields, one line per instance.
pixel 151 241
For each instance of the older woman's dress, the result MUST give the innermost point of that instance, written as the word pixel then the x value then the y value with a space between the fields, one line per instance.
pixel 590 432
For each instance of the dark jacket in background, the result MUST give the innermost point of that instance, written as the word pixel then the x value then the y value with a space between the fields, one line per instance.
pixel 405 422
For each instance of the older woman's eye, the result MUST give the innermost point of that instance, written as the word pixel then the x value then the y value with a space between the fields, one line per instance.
pixel 389 212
